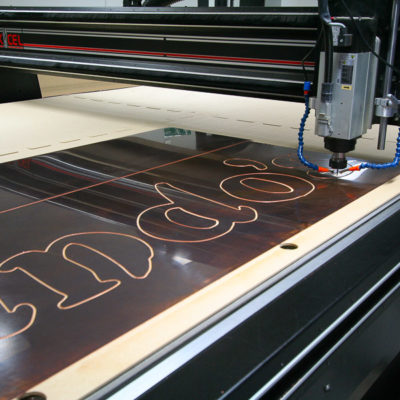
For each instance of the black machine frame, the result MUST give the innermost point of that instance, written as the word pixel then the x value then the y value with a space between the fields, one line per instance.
pixel 249 51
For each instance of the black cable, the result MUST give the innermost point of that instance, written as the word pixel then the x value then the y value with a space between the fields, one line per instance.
pixel 365 40
pixel 308 55
pixel 328 53
pixel 323 10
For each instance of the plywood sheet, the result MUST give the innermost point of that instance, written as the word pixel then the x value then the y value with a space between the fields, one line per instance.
pixel 265 121
pixel 34 127
pixel 112 250
pixel 51 85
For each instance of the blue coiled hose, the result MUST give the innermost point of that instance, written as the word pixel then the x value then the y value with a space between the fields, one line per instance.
pixel 308 164
pixel 394 163
pixel 300 148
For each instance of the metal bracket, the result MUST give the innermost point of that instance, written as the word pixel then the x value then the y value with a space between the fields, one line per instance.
pixel 339 35
pixel 387 83
pixel 386 106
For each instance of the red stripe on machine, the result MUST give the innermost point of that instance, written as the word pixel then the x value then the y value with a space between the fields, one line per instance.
pixel 178 55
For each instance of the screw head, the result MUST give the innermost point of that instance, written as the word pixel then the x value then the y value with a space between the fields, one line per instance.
pixel 327 387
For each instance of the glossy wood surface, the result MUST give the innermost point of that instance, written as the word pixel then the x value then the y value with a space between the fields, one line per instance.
pixel 98 239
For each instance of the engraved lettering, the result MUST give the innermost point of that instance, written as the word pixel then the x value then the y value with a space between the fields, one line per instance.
pixel 189 218
pixel 79 268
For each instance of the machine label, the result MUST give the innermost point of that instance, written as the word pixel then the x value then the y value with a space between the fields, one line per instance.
pixel 14 40
pixel 347 74
pixel 347 87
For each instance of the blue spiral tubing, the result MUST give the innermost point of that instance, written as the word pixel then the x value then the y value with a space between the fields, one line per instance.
pixel 394 163
pixel 300 148
pixel 308 164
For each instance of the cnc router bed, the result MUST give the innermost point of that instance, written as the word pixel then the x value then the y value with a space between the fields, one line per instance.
pixel 111 251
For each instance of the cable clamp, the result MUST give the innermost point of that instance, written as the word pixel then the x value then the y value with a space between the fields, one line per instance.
pixel 386 106
pixel 340 36
pixel 307 87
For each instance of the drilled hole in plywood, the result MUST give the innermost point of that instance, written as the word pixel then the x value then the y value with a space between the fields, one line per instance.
pixel 33 396
pixel 289 246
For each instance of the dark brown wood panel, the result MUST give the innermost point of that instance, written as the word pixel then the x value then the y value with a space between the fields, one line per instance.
pixel 98 239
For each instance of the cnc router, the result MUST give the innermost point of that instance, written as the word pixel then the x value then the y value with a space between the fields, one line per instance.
pixel 219 269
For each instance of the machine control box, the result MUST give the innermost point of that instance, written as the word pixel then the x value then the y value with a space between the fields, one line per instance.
pixel 350 112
